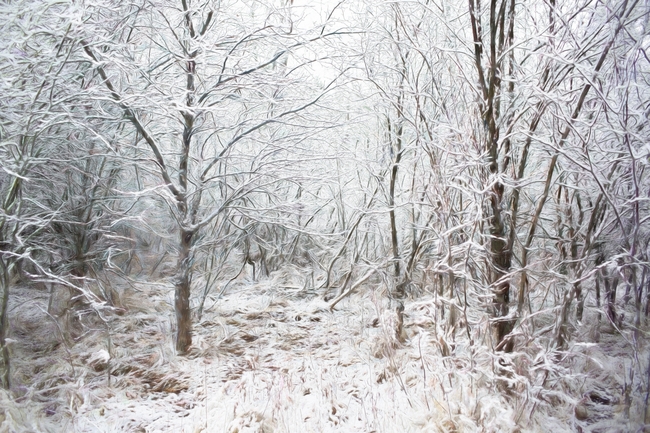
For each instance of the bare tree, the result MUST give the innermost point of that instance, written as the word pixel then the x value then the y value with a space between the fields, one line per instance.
pixel 213 137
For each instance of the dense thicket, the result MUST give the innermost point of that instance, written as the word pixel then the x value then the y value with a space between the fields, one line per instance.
pixel 492 153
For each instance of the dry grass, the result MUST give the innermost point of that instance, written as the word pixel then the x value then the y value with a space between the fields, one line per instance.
pixel 273 359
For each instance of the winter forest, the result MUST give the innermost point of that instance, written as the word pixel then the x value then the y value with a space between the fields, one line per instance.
pixel 324 216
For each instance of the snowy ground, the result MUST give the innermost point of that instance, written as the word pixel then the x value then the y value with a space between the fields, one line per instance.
pixel 269 357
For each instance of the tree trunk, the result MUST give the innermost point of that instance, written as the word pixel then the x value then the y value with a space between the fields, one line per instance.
pixel 182 294
pixel 562 319
pixel 5 371
pixel 391 200
pixel 611 284
pixel 490 85
pixel 501 261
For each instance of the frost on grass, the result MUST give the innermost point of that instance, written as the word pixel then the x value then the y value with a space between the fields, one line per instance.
pixel 271 358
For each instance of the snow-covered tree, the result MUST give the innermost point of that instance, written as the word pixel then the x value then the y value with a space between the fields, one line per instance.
pixel 206 86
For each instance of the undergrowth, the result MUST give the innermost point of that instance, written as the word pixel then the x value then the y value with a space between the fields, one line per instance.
pixel 269 357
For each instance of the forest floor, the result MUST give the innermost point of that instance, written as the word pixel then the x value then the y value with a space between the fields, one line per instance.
pixel 271 357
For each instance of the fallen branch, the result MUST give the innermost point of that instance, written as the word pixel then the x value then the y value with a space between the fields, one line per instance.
pixel 351 289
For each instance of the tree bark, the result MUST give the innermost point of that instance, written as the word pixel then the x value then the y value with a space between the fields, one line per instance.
pixel 391 198
pixel 5 370
pixel 182 294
